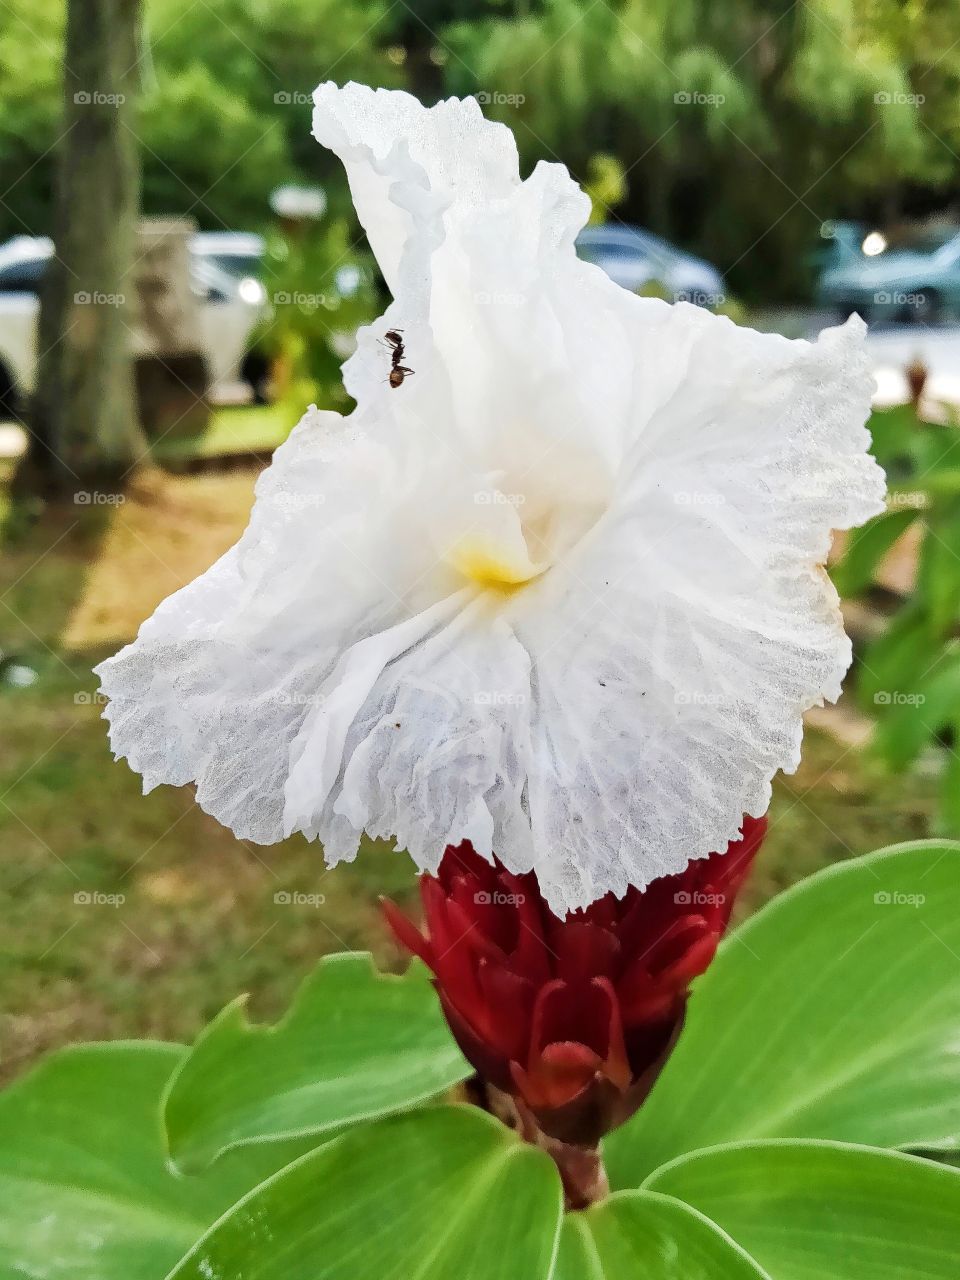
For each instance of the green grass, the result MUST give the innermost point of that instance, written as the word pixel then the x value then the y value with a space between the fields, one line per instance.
pixel 198 921
pixel 256 429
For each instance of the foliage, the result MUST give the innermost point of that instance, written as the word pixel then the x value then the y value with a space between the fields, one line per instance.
pixel 31 48
pixel 606 185
pixel 909 676
pixel 775 1053
pixel 776 115
pixel 874 1062
pixel 225 107
pixel 356 1043
pixel 321 286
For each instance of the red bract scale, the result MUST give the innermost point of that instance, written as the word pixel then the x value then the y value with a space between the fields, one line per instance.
pixel 574 1018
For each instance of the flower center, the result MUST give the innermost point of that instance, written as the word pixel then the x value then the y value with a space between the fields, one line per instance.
pixel 498 563
pixel 503 529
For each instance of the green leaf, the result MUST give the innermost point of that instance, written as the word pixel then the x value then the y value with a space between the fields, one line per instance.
pixel 85 1193
pixel 950 784
pixel 642 1234
pixel 440 1193
pixel 832 1013
pixel 942 483
pixel 896 658
pixel 808 1210
pixel 865 549
pixel 355 1044
pixel 910 720
pixel 894 433
pixel 938 570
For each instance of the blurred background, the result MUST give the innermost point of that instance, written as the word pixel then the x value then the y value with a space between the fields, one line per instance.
pixel 181 273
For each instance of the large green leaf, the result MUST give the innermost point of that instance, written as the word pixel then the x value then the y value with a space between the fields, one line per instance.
pixel 355 1044
pixel 866 547
pixel 85 1193
pixel 832 1013
pixel 811 1210
pixel 440 1193
pixel 642 1234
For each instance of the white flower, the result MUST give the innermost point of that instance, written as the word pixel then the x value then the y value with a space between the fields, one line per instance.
pixel 559 593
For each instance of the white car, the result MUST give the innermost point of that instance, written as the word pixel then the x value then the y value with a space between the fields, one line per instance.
pixel 230 308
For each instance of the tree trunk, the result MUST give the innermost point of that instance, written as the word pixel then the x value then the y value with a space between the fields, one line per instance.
pixel 84 421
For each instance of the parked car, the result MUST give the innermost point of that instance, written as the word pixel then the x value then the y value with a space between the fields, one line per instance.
pixel 231 305
pixel 240 253
pixel 912 278
pixel 635 258
pixel 840 244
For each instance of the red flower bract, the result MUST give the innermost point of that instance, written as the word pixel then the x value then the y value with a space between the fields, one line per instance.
pixel 573 1018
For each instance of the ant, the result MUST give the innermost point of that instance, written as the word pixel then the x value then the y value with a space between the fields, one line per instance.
pixel 398 371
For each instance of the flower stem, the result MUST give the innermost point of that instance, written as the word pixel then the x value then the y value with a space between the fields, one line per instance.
pixel 581 1169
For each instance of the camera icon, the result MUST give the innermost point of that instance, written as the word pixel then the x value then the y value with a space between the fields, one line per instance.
pixel 882 698
pixel 482 899
pixel 282 898
pixel 682 899
pixel 882 899
pixel 883 298
pixel 683 98
pixel 483 97
pixel 81 498
pixel 82 299
pixel 283 99
pixel 282 299
pixel 82 899
pixel 883 99
pixel 82 99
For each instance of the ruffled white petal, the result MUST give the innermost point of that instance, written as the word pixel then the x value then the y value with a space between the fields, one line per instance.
pixel 559 594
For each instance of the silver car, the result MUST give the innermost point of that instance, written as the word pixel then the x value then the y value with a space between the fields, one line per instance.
pixel 634 259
